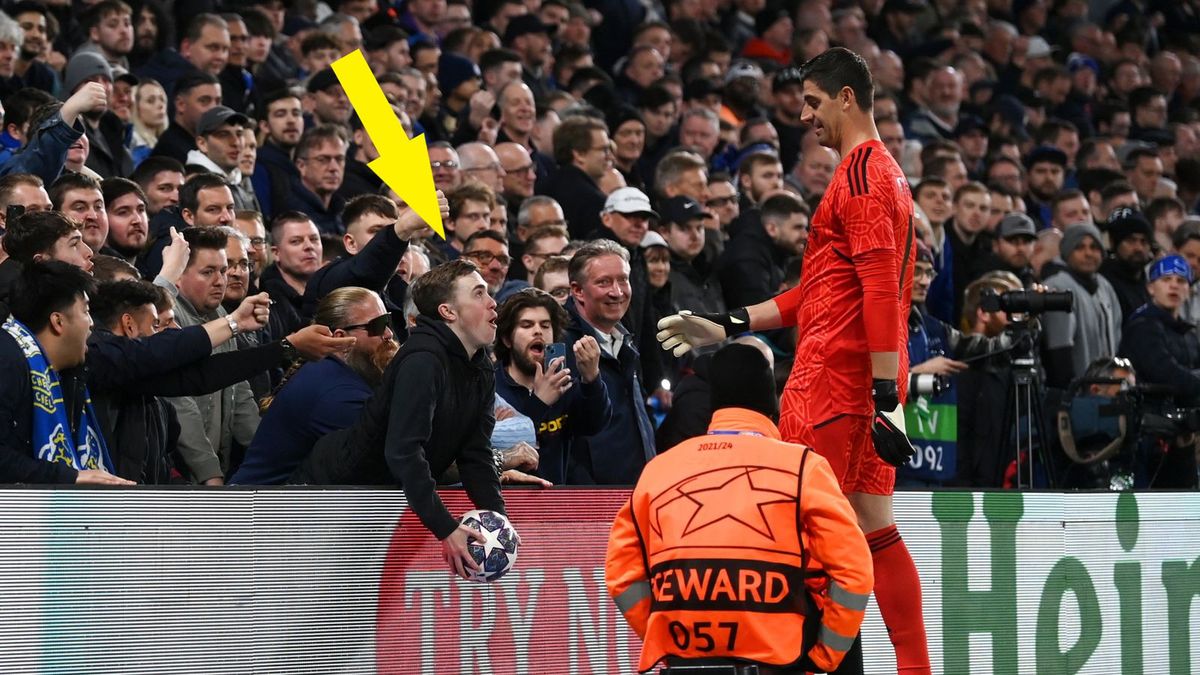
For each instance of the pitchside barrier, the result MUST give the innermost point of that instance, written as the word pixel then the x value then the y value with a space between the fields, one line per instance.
pixel 348 581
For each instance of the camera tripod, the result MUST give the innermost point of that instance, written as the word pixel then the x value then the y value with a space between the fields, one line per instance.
pixel 1024 410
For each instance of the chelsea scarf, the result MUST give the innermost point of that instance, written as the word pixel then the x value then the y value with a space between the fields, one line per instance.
pixel 51 420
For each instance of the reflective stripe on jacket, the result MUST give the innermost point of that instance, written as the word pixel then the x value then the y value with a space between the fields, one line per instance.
pixel 706 559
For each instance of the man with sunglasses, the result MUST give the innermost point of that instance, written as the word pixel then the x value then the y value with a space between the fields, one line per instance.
pixel 326 395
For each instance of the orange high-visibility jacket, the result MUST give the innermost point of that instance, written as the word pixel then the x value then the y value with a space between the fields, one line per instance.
pixel 706 559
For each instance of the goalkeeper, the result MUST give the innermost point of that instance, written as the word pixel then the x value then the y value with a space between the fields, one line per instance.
pixel 844 393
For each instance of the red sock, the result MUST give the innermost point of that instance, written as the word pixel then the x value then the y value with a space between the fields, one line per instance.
pixel 898 594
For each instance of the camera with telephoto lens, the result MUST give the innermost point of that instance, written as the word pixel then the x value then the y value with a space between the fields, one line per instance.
pixel 1026 302
pixel 927 384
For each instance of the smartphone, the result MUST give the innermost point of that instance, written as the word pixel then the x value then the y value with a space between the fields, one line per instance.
pixel 553 351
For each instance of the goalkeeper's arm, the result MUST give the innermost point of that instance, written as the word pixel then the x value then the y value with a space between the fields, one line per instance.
pixel 682 332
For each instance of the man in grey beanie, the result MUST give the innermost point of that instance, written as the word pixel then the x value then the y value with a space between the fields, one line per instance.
pixel 1092 328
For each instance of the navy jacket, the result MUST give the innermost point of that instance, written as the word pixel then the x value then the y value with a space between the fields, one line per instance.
pixel 583 411
pixel 328 219
pixel 1164 351
pixel 580 197
pixel 618 453
pixel 286 315
pixel 150 262
pixel 320 398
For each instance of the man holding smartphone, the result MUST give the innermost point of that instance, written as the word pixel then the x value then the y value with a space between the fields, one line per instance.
pixel 531 374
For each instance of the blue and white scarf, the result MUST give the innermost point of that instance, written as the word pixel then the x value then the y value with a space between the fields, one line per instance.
pixel 51 419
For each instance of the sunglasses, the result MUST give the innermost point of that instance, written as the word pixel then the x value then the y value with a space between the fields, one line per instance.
pixel 375 327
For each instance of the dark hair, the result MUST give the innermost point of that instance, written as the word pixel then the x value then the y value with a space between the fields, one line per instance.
pixel 107 267
pixel 264 110
pixel 436 287
pixel 1117 187
pixel 189 194
pixel 839 67
pixel 35 232
pixel 1160 206
pixel 186 83
pixel 284 218
pixel 741 377
pixel 780 207
pixel 68 182
pixel 574 135
pixel 1064 196
pixel 114 299
pixel 1142 96
pixel 369 204
pixel 509 312
pixel 150 167
pixel 317 41
pixel 91 17
pixel 1047 134
pixel 497 57
pixel 257 23
pixel 117 187
pixel 457 40
pixel 384 36
pixel 204 238
pixel 655 96
pixel 1131 160
pixel 1087 149
pixel 938 167
pixel 45 288
pixel 21 104
pixel 1095 180
pixel 484 234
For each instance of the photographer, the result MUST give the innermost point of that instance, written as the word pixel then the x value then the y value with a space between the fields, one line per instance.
pixel 936 350
pixel 1165 351
pixel 1092 329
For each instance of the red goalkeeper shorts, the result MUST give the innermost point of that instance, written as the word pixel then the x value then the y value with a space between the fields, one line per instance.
pixel 845 441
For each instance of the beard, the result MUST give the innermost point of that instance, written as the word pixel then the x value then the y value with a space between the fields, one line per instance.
pixel 370 365
pixel 523 363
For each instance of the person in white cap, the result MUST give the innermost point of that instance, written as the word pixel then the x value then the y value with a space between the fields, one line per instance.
pixel 626 219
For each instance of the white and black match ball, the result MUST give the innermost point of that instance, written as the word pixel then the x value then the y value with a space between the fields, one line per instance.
pixel 498 553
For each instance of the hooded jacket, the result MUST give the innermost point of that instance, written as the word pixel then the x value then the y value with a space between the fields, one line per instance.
pixel 434 408
pixel 1164 350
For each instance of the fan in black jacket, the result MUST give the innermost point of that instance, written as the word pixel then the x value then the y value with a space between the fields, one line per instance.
pixel 433 409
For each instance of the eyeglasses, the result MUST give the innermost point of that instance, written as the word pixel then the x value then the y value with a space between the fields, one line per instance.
pixel 325 160
pixel 375 327
pixel 490 167
pixel 607 149
pixel 486 258
pixel 919 273
pixel 258 242
pixel 448 164
pixel 521 169
pixel 718 202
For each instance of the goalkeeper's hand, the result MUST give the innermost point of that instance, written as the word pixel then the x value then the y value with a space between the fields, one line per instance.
pixel 683 332
pixel 887 429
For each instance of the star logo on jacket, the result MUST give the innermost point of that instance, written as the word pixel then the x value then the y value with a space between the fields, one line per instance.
pixel 738 495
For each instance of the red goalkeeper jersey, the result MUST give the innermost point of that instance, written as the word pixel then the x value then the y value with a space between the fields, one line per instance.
pixel 855 290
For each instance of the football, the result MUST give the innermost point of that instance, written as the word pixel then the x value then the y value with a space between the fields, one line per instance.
pixel 498 553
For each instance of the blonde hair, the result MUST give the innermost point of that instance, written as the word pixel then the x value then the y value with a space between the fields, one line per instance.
pixel 334 309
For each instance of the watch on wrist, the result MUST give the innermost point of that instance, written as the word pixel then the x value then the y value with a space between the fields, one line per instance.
pixel 233 326
pixel 290 353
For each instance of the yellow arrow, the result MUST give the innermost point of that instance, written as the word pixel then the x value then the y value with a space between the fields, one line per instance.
pixel 402 163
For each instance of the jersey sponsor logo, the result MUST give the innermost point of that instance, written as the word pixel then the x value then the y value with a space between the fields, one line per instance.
pixel 552 426
pixel 730 585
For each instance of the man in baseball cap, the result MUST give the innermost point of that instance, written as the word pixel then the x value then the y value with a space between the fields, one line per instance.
pixel 694 283
pixel 1092 328
pixel 788 88
pixel 1013 247
pixel 220 142
pixel 626 216
pixel 529 36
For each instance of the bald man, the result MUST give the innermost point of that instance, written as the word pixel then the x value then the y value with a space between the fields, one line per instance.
pixel 479 162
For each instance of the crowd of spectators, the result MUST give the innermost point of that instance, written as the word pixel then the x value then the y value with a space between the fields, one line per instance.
pixel 605 163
